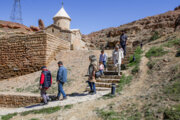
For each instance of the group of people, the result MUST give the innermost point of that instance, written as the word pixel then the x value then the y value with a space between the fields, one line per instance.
pixel 94 71
pixel 117 56
pixel 46 82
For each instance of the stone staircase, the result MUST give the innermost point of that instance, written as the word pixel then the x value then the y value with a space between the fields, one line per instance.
pixel 110 76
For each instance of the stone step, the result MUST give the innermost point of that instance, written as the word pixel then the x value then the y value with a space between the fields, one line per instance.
pixel 99 89
pixel 111 65
pixel 108 80
pixel 110 77
pixel 111 73
pixel 124 60
pixel 113 69
pixel 104 85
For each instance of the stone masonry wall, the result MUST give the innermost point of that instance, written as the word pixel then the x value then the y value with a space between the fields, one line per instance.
pixel 76 41
pixel 14 101
pixel 23 54
pixel 54 45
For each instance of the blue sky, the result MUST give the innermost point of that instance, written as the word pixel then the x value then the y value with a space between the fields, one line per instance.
pixel 88 15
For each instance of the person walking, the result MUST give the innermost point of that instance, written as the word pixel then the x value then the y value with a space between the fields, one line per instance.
pixel 103 59
pixel 92 74
pixel 45 83
pixel 123 40
pixel 118 55
pixel 61 79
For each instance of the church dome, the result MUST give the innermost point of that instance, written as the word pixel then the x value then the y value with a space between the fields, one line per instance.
pixel 62 14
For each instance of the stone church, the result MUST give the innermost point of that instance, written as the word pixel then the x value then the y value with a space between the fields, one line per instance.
pixel 61 29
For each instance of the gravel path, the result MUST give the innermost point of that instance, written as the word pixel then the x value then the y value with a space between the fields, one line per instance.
pixel 76 98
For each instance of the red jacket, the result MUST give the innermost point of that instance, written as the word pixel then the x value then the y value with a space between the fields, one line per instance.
pixel 43 78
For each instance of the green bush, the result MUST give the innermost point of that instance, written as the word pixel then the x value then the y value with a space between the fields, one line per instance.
pixel 137 55
pixel 155 52
pixel 151 64
pixel 108 115
pixel 8 116
pixel 135 70
pixel 42 111
pixel 123 81
pixel 68 106
pixel 171 43
pixel 155 36
pixel 172 113
pixel 34 119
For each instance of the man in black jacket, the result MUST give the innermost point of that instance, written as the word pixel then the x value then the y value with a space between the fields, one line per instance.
pixel 123 39
pixel 45 83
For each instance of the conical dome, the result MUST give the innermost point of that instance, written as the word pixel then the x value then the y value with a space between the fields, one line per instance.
pixel 62 13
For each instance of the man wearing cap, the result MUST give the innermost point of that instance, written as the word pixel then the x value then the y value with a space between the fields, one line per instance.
pixel 61 79
pixel 45 83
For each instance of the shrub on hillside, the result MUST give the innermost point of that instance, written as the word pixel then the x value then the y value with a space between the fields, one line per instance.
pixel 172 113
pixel 123 81
pixel 155 52
pixel 135 70
pixel 171 43
pixel 155 36
pixel 137 56
pixel 151 64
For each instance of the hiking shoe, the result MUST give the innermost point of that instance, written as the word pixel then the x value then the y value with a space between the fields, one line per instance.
pixel 93 93
pixel 90 92
pixel 45 104
pixel 64 98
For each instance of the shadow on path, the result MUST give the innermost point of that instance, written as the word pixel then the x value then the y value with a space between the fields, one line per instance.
pixel 77 94
pixel 32 106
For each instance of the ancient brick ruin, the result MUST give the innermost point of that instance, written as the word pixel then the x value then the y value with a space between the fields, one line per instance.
pixel 23 54
pixel 14 101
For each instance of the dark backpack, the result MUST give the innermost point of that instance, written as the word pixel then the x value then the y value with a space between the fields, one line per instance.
pixel 47 79
pixel 98 74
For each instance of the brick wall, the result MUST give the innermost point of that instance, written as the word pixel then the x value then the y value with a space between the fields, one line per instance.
pixel 54 45
pixel 23 54
pixel 14 101
pixel 57 31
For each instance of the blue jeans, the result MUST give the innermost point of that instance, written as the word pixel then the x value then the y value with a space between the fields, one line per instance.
pixel 104 63
pixel 124 48
pixel 60 90
pixel 92 86
pixel 101 71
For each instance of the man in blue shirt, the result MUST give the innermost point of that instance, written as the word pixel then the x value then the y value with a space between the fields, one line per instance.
pixel 61 79
pixel 103 58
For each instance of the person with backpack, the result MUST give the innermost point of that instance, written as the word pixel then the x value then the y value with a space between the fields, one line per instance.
pixel 92 69
pixel 103 59
pixel 45 83
pixel 61 79
pixel 123 40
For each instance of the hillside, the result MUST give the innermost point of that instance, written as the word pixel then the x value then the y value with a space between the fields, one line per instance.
pixel 137 31
pixel 151 94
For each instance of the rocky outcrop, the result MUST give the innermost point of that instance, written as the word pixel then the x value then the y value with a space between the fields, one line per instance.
pixel 13 26
pixel 34 28
pixel 137 31
pixel 41 24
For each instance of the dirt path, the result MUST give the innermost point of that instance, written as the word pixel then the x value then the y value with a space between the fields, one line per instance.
pixel 86 110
